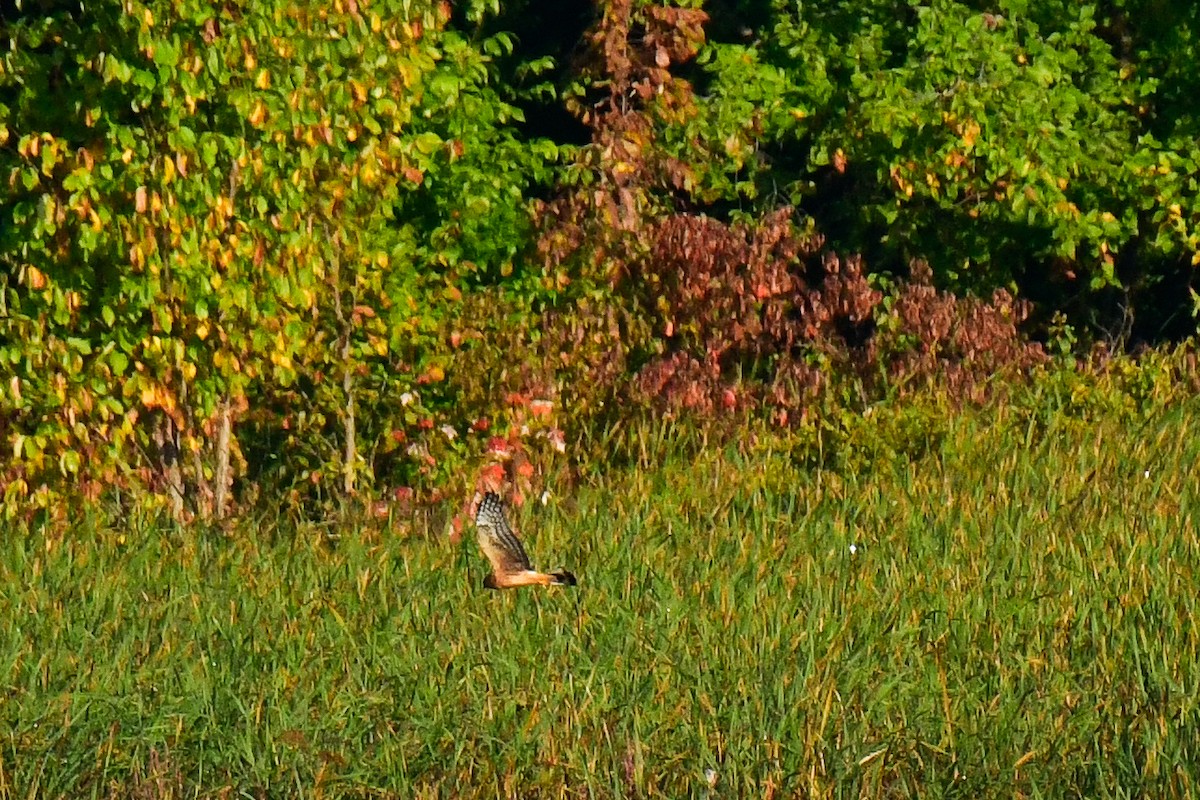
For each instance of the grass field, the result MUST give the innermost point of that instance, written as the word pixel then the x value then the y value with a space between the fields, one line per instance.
pixel 1006 607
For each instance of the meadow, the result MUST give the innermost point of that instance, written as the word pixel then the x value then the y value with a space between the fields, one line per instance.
pixel 928 602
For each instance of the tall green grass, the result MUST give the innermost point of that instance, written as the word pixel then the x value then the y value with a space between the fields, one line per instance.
pixel 994 603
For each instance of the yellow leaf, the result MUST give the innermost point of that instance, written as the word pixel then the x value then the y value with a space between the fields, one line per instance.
pixel 264 80
pixel 970 133
pixel 258 114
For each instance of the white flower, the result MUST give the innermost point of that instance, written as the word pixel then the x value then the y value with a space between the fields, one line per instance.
pixel 449 431
pixel 407 398
pixel 853 549
pixel 546 497
pixel 1146 474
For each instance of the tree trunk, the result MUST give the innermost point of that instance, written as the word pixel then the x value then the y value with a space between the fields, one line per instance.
pixel 349 433
pixel 223 479
pixel 350 454
pixel 166 440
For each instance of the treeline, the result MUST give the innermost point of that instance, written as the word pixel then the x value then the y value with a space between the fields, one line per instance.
pixel 362 247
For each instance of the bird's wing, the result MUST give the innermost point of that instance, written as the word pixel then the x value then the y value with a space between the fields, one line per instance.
pixel 496 537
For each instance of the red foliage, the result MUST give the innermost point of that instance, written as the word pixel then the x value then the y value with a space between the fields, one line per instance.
pixel 958 342
pixel 751 319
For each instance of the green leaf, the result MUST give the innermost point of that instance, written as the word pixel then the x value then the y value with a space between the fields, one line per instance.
pixel 78 179
pixel 68 462
pixel 165 320
pixel 118 361
pixel 80 345
pixel 428 143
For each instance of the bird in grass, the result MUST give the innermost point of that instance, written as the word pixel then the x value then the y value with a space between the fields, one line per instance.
pixel 510 562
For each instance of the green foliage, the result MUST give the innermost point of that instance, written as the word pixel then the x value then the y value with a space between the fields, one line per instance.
pixel 1007 145
pixel 254 213
pixel 986 603
pixel 1001 127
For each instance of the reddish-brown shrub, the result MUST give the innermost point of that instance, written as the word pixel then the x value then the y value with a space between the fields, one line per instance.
pixel 933 336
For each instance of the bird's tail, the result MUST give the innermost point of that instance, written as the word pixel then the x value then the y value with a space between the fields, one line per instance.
pixel 563 578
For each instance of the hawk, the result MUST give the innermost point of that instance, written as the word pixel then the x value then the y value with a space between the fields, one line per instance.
pixel 510 563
